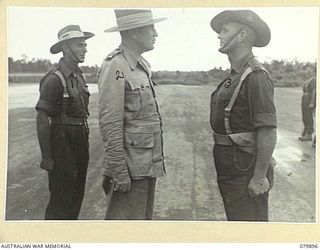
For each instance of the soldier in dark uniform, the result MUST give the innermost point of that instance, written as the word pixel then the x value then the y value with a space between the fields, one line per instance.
pixel 130 121
pixel 62 126
pixel 308 101
pixel 243 118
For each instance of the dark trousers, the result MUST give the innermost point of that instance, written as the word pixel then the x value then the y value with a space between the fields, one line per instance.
pixel 307 115
pixel 239 206
pixel 234 170
pixel 137 204
pixel 70 150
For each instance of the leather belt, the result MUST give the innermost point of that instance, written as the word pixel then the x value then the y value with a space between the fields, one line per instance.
pixel 69 121
pixel 222 140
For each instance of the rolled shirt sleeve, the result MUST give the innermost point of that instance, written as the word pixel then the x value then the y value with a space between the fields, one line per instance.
pixel 51 92
pixel 111 118
pixel 261 100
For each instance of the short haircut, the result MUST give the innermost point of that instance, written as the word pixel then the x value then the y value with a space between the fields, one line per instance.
pixel 251 34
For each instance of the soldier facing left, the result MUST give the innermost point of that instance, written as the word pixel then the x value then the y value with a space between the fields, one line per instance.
pixel 62 128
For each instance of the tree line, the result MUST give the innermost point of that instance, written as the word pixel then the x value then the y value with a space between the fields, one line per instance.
pixel 284 73
pixel 36 65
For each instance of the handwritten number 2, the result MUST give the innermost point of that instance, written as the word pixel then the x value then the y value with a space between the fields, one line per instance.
pixel 119 75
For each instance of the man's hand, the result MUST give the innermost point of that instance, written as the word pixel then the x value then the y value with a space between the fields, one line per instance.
pixel 258 186
pixel 106 183
pixel 123 186
pixel 46 164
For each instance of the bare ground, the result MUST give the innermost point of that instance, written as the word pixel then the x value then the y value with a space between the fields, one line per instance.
pixel 189 190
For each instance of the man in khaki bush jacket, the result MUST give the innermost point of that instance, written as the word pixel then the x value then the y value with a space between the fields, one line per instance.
pixel 129 119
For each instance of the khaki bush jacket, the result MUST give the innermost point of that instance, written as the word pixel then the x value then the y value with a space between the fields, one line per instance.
pixel 129 117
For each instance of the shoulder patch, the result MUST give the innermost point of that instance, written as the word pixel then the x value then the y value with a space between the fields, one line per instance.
pixel 113 54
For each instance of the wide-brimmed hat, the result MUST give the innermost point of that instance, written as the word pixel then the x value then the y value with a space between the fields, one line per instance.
pixel 67 33
pixel 247 17
pixel 133 18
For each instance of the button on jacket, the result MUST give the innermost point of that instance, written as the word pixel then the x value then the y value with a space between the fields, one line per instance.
pixel 129 118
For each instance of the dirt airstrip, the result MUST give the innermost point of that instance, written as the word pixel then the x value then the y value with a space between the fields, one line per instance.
pixel 189 191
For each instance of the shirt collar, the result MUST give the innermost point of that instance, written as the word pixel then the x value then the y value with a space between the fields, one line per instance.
pixel 66 69
pixel 132 58
pixel 239 65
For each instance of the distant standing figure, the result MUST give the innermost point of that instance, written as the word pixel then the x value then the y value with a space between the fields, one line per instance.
pixel 308 104
pixel 243 118
pixel 130 121
pixel 62 125
pixel 314 113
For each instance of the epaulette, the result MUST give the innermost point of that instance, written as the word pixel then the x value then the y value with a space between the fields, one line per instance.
pixel 113 54
pixel 51 71
pixel 255 65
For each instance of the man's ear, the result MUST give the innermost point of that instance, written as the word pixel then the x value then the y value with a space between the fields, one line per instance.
pixel 134 35
pixel 64 46
pixel 243 35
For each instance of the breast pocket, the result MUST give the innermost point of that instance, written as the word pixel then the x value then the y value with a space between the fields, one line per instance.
pixel 86 95
pixel 74 107
pixel 132 98
pixel 85 90
pixel 224 94
pixel 220 98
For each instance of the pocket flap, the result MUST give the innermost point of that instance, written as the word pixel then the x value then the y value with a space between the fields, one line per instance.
pixel 134 140
pixel 86 89
pixel 135 83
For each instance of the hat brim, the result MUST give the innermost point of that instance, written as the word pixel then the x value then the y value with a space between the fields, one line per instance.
pixel 261 29
pixel 117 28
pixel 56 48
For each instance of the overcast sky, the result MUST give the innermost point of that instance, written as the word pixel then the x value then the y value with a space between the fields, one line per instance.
pixel 185 42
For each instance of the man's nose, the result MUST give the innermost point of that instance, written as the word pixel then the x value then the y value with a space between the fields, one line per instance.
pixel 155 33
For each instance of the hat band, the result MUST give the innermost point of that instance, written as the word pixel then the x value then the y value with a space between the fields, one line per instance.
pixel 134 20
pixel 71 34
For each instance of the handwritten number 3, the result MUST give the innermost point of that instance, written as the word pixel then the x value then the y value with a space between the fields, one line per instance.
pixel 227 85
pixel 119 75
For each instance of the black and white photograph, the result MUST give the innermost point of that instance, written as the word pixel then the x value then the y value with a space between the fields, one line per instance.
pixel 162 114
